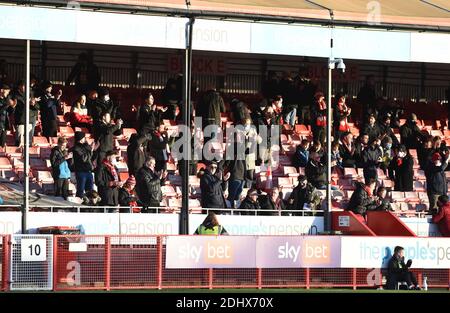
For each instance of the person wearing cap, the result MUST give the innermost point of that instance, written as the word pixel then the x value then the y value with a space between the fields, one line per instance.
pixel 436 179
pixel 60 168
pixel 250 203
pixel 6 108
pixel 303 197
pixel 48 106
pixel 402 165
pixel 83 158
pixel 211 187
pixel 410 134
pixel 128 197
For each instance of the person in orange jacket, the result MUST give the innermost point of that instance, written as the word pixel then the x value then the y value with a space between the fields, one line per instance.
pixel 441 216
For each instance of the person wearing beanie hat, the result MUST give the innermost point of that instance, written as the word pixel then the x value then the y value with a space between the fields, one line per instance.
pixel 127 197
pixel 410 134
pixel 402 165
pixel 48 106
pixel 436 178
pixel 83 157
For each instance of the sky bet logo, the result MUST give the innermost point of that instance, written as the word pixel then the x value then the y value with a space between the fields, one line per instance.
pixel 310 252
pixel 213 252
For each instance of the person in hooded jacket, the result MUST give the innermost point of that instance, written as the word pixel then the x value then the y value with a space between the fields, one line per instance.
pixel 402 166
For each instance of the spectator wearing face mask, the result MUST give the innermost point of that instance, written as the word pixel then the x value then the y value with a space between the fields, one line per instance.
pixel 436 179
pixel 402 166
pixel 304 196
pixel 410 134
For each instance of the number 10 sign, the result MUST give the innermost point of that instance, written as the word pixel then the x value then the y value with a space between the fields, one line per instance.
pixel 34 250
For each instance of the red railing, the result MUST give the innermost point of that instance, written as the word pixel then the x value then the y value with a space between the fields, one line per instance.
pixel 137 262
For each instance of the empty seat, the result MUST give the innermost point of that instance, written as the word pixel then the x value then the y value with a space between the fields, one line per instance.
pixel 168 191
pixel 419 186
pixel 5 163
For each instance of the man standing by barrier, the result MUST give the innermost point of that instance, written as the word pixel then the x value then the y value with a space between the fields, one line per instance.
pixel 436 179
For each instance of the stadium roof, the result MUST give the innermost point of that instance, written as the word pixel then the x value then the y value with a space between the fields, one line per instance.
pixel 435 13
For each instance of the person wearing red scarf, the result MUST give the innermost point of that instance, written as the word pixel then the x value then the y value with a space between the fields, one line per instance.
pixel 128 198
pixel 107 181
pixel 402 165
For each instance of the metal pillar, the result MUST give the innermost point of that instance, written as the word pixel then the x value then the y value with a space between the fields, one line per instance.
pixel 184 216
pixel 26 165
pixel 327 211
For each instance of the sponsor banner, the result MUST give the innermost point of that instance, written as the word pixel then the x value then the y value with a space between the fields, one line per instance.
pixel 238 225
pixel 296 251
pixel 420 47
pixel 149 224
pixel 375 252
pixel 210 251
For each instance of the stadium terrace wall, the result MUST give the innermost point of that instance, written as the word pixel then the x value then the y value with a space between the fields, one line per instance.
pixel 168 32
pixel 168 224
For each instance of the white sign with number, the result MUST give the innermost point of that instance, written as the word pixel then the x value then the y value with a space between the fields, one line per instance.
pixel 33 250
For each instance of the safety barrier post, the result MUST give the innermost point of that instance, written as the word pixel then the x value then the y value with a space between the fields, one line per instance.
pixel 259 278
pixel 55 262
pixel 210 278
pixel 354 278
pixel 108 262
pixel 5 268
pixel 160 261
pixel 449 279
pixel 307 278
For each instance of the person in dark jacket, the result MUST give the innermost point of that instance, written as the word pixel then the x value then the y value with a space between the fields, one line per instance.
pixel 149 117
pixel 341 112
pixel 347 150
pixel 425 152
pixel 108 181
pixel 384 124
pixel 436 179
pixel 49 105
pixel 371 128
pixel 210 106
pixel 171 98
pixel 149 182
pixel 212 188
pixel 272 202
pixel 105 135
pixel 60 168
pixel 250 203
pixel 382 202
pixel 410 134
pixel 158 147
pixel 362 199
pixel 136 152
pixel 6 108
pixel 104 104
pixel 367 97
pixel 372 158
pixel 361 144
pixel 85 73
pixel 83 158
pixel 402 166
pixel 319 118
pixel 315 171
pixel 128 197
pixel 19 112
pixel 301 155
pixel 398 271
pixel 304 196
pixel 441 217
